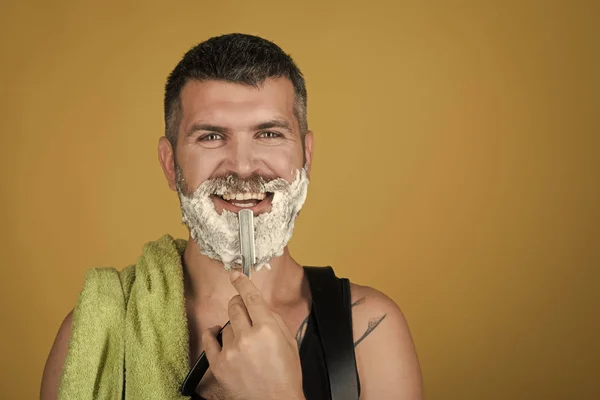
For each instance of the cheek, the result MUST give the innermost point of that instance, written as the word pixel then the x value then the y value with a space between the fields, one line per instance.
pixel 198 168
pixel 283 162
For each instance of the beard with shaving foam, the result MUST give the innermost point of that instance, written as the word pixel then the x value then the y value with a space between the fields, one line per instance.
pixel 217 235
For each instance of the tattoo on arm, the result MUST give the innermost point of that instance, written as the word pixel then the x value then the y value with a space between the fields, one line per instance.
pixel 358 302
pixel 373 323
pixel 302 330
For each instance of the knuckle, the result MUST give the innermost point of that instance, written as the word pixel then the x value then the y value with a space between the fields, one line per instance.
pixel 206 335
pixel 266 331
pixel 244 342
pixel 253 298
pixel 235 299
pixel 235 309
pixel 230 355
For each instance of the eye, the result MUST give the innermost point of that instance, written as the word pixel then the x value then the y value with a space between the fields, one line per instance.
pixel 269 135
pixel 210 137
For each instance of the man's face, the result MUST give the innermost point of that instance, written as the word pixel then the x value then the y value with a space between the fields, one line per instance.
pixel 229 128
pixel 238 148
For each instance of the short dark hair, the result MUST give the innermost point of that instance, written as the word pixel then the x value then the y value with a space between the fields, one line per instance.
pixel 235 57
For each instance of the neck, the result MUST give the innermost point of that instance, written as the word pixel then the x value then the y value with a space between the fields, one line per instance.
pixel 207 283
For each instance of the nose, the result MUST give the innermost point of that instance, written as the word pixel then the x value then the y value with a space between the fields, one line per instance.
pixel 242 158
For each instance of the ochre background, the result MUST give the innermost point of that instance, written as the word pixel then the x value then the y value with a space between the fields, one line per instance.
pixel 456 169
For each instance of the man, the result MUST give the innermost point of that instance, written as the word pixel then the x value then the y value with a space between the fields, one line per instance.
pixel 237 138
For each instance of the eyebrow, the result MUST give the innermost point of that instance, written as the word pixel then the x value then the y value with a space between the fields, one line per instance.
pixel 205 127
pixel 273 123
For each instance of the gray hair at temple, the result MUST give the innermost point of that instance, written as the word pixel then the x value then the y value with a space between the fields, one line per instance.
pixel 238 58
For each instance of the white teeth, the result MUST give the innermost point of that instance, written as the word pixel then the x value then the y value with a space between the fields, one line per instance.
pixel 243 205
pixel 244 196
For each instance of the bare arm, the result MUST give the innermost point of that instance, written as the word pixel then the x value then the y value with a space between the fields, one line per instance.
pixel 56 361
pixel 385 355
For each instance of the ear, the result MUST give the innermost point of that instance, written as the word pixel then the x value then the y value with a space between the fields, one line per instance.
pixel 166 157
pixel 308 151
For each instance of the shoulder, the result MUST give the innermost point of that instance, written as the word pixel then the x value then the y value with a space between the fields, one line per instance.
pixel 381 332
pixel 370 299
pixel 100 306
pixel 370 307
pixel 373 310
pixel 56 360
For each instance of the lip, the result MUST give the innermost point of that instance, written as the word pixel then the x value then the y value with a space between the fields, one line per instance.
pixel 261 207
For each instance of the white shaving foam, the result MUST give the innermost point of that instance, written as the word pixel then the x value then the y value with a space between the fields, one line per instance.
pixel 217 235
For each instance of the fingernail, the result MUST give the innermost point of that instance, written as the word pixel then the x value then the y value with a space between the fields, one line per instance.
pixel 235 275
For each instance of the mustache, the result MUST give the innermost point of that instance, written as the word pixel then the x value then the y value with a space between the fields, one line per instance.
pixel 233 183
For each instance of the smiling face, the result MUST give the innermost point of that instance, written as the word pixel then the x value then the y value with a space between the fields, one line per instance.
pixel 239 147
pixel 229 128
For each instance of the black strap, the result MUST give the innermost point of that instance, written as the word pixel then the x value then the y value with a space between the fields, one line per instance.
pixel 333 312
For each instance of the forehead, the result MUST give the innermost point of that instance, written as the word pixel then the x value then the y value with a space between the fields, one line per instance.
pixel 236 105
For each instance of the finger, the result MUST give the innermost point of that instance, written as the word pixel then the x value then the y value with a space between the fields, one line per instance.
pixel 212 348
pixel 257 307
pixel 228 335
pixel 238 315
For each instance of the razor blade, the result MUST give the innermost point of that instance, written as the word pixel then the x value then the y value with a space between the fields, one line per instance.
pixel 246 218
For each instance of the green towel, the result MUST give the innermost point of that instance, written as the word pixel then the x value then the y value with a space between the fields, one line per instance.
pixel 129 338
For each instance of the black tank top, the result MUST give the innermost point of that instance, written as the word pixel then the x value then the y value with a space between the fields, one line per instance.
pixel 314 370
pixel 315 377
